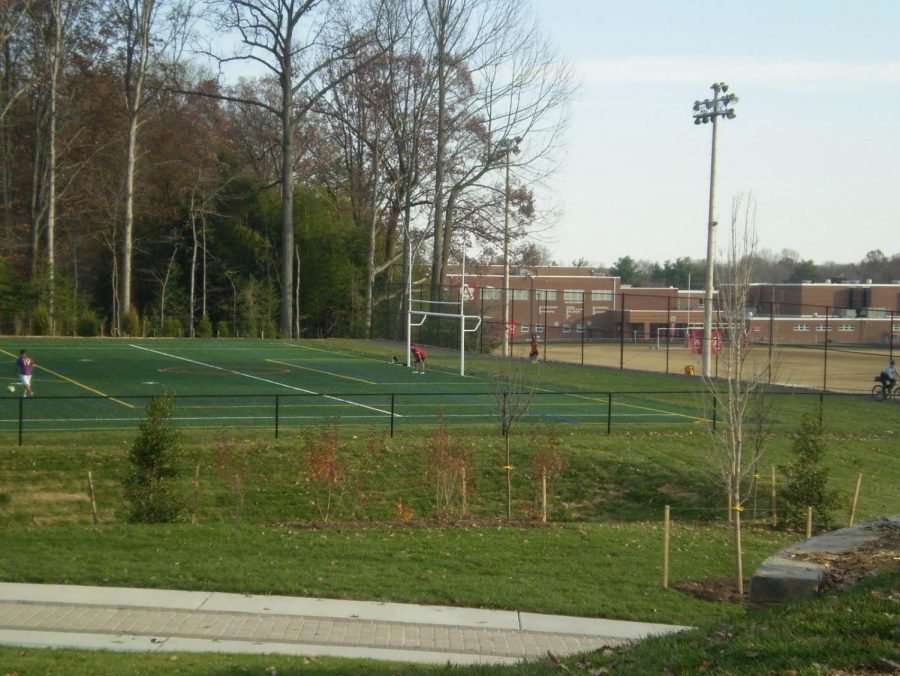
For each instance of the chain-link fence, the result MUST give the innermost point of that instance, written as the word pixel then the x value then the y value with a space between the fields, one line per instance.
pixel 810 345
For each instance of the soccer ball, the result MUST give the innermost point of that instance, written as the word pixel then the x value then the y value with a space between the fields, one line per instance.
pixel 11 388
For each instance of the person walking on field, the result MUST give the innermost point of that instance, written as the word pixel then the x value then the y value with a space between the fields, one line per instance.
pixel 534 350
pixel 418 355
pixel 25 364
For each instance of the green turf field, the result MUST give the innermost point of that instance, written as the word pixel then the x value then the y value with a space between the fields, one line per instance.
pixel 106 384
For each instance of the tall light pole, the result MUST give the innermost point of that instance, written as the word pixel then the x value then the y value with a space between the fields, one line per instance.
pixel 721 105
pixel 507 147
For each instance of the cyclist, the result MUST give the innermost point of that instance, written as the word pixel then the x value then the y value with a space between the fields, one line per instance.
pixel 889 376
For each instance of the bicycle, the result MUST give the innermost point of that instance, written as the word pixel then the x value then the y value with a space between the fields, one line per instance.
pixel 881 391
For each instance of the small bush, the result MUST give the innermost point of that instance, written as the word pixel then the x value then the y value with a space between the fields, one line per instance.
pixel 223 329
pixel 172 328
pixel 88 324
pixel 204 328
pixel 41 321
pixel 152 467
pixel 131 323
pixel 807 480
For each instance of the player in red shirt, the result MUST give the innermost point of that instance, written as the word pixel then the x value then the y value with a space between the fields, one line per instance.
pixel 418 355
pixel 25 364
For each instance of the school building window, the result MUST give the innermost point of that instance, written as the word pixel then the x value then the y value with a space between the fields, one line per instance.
pixel 567 328
pixel 524 328
pixel 490 293
pixel 519 294
pixel 846 328
pixel 801 327
pixel 573 296
pixel 821 328
pixel 601 295
pixel 538 328
pixel 579 327
pixel 546 294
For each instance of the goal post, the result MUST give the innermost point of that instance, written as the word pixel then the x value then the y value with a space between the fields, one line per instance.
pixel 420 310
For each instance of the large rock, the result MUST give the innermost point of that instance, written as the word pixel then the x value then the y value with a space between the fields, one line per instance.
pixel 800 570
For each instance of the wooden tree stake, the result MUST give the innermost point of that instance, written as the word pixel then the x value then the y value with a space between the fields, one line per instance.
pixel 666 547
pixel 855 498
pixel 93 499
pixel 774 503
pixel 196 502
pixel 809 512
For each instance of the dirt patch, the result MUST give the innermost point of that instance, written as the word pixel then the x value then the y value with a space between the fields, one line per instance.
pixel 718 589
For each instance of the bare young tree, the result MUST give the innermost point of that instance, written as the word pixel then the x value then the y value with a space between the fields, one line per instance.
pixel 513 385
pixel 734 447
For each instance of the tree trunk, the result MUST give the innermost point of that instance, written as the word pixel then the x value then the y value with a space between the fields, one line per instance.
pixel 193 284
pixel 287 199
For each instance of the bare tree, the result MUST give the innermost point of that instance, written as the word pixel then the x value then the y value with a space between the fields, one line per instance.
pixel 295 44
pixel 500 91
pixel 513 385
pixel 146 31
pixel 735 446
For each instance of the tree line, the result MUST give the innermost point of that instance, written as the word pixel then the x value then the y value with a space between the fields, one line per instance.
pixel 261 167
pixel 768 267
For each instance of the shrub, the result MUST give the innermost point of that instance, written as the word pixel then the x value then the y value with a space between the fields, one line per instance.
pixel 204 328
pixel 88 324
pixel 152 466
pixel 807 480
pixel 41 321
pixel 223 329
pixel 131 323
pixel 172 328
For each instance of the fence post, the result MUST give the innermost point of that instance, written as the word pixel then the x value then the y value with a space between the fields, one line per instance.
pixel 277 407
pixel 583 328
pixel 715 412
pixel 825 360
pixel 609 412
pixel 392 415
pixel 622 335
pixel 666 547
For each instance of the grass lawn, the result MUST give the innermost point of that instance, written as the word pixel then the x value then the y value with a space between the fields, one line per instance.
pixel 383 532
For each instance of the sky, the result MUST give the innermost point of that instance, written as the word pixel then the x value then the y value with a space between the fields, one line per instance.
pixel 816 141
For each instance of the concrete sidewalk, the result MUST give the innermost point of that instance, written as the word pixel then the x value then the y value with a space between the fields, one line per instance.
pixel 152 620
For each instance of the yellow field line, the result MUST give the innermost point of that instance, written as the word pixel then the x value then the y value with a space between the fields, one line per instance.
pixel 74 382
pixel 327 373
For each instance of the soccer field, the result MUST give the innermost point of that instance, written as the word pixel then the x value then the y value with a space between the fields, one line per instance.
pixel 102 384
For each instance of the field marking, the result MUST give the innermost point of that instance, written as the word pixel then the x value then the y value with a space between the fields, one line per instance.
pixel 264 380
pixel 74 382
pixel 327 373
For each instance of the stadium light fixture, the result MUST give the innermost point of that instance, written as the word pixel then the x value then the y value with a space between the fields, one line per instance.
pixel 706 111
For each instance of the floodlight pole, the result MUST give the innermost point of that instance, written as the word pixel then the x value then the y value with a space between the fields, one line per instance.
pixel 704 112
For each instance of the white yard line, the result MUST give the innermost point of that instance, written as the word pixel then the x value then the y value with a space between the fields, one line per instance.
pixel 264 380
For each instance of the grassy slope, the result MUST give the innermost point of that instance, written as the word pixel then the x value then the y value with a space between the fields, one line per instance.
pixel 603 560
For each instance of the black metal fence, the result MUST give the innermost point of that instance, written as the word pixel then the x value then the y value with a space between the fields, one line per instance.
pixel 392 413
